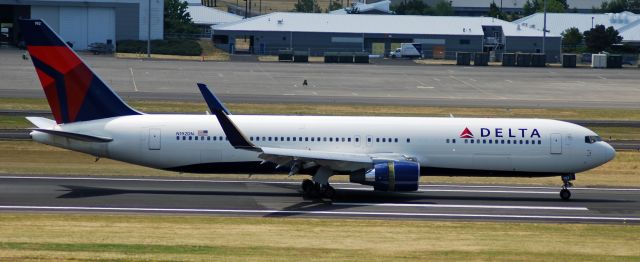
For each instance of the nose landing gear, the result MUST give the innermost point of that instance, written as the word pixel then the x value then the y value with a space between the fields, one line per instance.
pixel 565 194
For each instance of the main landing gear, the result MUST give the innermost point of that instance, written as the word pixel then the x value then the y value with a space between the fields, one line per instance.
pixel 316 190
pixel 319 187
pixel 565 194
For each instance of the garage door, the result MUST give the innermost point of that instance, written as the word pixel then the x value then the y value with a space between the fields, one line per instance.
pixel 79 25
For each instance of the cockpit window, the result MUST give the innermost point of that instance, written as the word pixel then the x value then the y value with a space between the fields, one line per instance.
pixel 592 139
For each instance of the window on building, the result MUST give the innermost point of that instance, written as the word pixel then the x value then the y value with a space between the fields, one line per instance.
pixel 465 41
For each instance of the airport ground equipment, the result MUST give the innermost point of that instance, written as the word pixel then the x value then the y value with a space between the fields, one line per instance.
pixel 509 59
pixel 481 59
pixel 407 50
pixel 285 55
pixel 599 60
pixel 569 60
pixel 463 58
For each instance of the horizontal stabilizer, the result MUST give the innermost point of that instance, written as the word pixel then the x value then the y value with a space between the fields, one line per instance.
pixel 76 136
pixel 41 122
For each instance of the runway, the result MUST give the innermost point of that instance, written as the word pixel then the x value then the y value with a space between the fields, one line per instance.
pixel 283 199
pixel 408 84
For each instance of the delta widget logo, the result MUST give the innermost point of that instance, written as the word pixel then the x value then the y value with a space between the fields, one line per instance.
pixel 466 133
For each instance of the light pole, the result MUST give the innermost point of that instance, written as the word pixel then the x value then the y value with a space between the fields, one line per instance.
pixel 544 27
pixel 149 31
pixel 592 22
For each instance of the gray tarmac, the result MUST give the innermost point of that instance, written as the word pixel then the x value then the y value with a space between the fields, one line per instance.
pixel 283 199
pixel 402 83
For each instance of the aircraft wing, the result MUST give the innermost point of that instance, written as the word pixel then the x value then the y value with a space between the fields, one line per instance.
pixel 289 156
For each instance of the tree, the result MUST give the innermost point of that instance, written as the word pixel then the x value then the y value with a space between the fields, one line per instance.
pixel 571 38
pixel 412 7
pixel 494 11
pixel 599 39
pixel 553 6
pixel 307 6
pixel 617 6
pixel 443 8
pixel 334 5
pixel 176 18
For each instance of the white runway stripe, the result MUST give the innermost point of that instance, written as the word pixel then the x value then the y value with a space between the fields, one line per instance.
pixel 460 206
pixel 307 212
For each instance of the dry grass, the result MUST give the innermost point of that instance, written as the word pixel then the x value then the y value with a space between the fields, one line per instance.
pixel 196 238
pixel 47 160
pixel 217 57
pixel 346 109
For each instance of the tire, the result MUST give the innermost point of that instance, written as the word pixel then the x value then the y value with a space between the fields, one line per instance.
pixel 565 194
pixel 329 192
pixel 307 186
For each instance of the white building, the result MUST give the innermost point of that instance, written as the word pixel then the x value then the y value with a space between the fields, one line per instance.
pixel 83 22
pixel 627 23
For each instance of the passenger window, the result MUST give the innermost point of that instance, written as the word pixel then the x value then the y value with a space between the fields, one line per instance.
pixel 521 142
pixel 502 141
pixel 454 141
pixel 472 141
pixel 189 137
pixel 288 139
pixel 466 141
pixel 257 138
pixel 208 138
pixel 484 141
pixel 377 140
pixel 312 140
pixel 447 140
pixel 396 140
pixel 408 140
pixel 490 141
pixel 348 139
pixel 369 139
pixel 539 142
pixel 294 139
pixel 306 138
pixel 184 138
pixel 275 138
pixel 177 138
pixel 384 139
pixel 269 138
pixel 526 142
pixel 221 139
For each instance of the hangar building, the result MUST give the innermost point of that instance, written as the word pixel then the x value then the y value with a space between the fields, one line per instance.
pixel 83 22
pixel 440 36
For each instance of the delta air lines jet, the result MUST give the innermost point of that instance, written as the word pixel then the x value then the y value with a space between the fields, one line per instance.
pixel 388 153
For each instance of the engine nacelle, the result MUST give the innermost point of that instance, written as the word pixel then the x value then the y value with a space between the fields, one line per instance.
pixel 391 176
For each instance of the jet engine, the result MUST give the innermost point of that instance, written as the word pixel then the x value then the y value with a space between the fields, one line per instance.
pixel 390 176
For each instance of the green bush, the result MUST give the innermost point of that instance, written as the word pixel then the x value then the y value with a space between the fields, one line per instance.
pixel 165 47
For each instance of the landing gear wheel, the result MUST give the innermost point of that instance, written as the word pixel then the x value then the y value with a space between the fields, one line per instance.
pixel 307 186
pixel 328 192
pixel 565 194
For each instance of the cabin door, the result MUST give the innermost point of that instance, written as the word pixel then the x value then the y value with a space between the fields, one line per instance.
pixel 154 139
pixel 556 144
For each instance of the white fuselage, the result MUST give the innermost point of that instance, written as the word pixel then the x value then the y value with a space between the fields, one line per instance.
pixel 538 146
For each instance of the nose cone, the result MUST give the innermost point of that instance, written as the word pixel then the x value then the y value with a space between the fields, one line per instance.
pixel 608 153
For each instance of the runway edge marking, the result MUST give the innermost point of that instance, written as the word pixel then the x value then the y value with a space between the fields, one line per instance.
pixel 307 212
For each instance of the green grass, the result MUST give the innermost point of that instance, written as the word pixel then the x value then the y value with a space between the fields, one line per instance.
pixel 62 237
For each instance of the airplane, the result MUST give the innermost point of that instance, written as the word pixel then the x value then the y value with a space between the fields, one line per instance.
pixel 388 153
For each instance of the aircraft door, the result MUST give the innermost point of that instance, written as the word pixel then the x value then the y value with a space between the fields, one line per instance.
pixel 154 139
pixel 556 144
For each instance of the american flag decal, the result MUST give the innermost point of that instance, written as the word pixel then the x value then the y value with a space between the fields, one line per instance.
pixel 203 132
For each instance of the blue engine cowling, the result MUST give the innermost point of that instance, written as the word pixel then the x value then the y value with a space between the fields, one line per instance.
pixel 391 176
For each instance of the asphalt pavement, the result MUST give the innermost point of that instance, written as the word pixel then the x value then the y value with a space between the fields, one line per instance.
pixel 283 199
pixel 273 82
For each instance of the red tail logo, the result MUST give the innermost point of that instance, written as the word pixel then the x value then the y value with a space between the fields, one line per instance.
pixel 466 133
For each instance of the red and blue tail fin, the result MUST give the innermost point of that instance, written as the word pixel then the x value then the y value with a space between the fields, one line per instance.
pixel 74 92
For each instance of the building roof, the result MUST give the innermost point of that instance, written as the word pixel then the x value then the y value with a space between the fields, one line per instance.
pixel 202 15
pixel 376 24
pixel 559 22
pixel 579 4
pixel 382 6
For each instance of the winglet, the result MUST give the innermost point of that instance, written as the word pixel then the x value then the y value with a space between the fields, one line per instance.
pixel 237 139
pixel 212 101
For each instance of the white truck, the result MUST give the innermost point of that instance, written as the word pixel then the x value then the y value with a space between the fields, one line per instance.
pixel 408 50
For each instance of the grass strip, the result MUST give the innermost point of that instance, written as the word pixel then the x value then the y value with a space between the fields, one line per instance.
pixel 357 110
pixel 189 238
